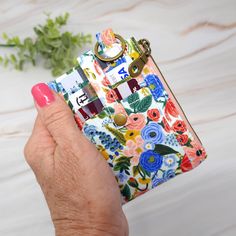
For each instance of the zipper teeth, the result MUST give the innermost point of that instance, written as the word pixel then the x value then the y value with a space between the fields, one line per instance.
pixel 176 100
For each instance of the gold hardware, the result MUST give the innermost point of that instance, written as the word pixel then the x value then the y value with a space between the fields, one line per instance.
pixel 109 59
pixel 120 119
pixel 135 68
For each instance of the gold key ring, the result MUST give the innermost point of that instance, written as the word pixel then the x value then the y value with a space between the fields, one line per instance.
pixel 109 59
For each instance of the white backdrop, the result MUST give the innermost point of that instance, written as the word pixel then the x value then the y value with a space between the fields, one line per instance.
pixel 194 44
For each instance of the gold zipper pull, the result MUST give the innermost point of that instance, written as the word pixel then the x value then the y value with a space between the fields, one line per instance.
pixel 136 67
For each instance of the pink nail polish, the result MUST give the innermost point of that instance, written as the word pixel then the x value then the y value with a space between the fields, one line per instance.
pixel 42 94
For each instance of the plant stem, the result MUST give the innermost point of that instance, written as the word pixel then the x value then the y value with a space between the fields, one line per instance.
pixel 7 45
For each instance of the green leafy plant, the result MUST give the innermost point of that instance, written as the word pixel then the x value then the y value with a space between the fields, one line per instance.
pixel 58 49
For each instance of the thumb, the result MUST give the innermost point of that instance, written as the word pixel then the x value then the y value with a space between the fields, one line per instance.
pixel 56 115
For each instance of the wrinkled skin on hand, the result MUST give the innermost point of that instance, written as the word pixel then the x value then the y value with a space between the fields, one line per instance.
pixel 79 187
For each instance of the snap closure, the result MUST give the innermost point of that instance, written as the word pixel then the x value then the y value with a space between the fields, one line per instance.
pixel 120 119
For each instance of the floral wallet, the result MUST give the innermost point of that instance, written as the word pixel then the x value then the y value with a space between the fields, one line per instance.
pixel 124 106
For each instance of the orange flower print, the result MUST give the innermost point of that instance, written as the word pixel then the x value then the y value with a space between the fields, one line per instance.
pixel 106 82
pixel 108 37
pixel 182 139
pixel 196 154
pixel 153 114
pixel 111 96
pixel 136 121
pixel 166 125
pixel 170 110
pixel 179 126
pixel 186 164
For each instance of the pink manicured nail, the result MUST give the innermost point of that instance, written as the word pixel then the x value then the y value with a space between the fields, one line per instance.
pixel 42 94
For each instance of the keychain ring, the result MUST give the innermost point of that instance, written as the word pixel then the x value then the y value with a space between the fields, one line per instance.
pixel 109 59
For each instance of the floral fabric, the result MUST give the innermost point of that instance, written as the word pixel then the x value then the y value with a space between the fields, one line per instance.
pixel 155 143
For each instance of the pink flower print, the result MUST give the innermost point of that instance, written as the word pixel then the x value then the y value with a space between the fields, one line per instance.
pixel 136 121
pixel 119 109
pixel 196 154
pixel 105 81
pixel 134 149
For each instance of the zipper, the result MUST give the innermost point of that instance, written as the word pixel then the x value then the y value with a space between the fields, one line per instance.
pixel 141 61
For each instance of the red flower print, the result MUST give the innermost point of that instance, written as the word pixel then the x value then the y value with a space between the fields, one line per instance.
pixel 186 164
pixel 78 122
pixel 196 153
pixel 111 96
pixel 182 139
pixel 170 110
pixel 153 114
pixel 105 81
pixel 166 125
pixel 136 121
pixel 179 126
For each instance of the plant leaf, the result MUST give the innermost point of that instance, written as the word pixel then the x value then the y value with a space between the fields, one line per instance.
pixel 144 104
pixel 135 170
pixel 133 100
pixel 125 191
pixel 164 150
pixel 117 134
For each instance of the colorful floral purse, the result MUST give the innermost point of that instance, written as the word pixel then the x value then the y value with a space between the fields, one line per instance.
pixel 124 106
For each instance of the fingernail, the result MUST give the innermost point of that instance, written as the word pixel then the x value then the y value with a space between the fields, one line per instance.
pixel 42 94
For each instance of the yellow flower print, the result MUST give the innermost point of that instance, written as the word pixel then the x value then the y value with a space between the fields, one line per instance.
pixel 103 152
pixel 145 91
pixel 144 181
pixel 131 134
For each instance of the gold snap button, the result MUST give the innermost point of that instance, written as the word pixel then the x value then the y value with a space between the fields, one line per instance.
pixel 120 119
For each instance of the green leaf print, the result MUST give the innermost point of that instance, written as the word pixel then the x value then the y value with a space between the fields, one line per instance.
pixel 135 170
pixel 125 191
pixel 117 134
pixel 128 111
pixel 163 149
pixel 102 114
pixel 122 164
pixel 144 104
pixel 110 110
pixel 66 96
pixel 133 100
pixel 70 105
pixel 143 172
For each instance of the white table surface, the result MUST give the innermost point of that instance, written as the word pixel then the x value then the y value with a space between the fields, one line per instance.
pixel 195 47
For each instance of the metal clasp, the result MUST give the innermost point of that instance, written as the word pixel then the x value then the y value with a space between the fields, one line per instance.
pixel 136 67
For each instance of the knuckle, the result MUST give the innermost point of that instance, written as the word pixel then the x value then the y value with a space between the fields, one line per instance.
pixel 28 151
pixel 31 150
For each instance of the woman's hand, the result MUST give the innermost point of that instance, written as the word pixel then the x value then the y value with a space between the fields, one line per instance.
pixel 80 189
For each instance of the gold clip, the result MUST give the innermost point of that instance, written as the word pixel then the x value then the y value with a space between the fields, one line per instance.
pixel 111 59
pixel 136 67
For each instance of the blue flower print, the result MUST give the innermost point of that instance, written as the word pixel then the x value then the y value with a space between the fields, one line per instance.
pixel 169 174
pixel 90 130
pixel 170 160
pixel 150 161
pixel 153 132
pixel 154 85
pixel 149 146
pixel 122 177
pixel 156 181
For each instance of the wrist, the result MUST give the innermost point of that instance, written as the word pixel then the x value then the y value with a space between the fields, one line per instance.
pixel 65 227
